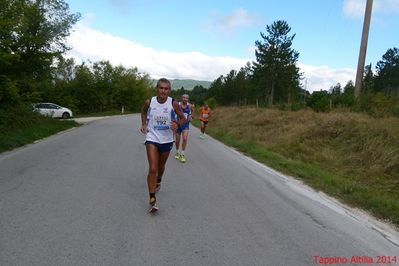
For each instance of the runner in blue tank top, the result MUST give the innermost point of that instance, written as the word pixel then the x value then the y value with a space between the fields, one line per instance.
pixel 188 112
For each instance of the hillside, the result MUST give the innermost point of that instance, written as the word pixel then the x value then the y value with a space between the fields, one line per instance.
pixel 188 84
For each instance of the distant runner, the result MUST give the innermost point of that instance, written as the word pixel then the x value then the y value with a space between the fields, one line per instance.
pixel 188 112
pixel 158 123
pixel 205 113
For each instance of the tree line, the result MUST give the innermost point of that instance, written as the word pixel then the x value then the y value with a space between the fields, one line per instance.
pixel 275 80
pixel 33 68
pixel 97 87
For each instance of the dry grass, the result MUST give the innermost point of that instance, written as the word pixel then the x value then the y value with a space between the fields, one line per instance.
pixel 356 147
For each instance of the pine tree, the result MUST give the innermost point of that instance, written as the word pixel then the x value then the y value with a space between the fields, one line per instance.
pixel 275 70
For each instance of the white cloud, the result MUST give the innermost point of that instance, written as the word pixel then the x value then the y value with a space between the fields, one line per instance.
pixel 227 24
pixel 239 17
pixel 89 44
pixel 324 77
pixel 355 8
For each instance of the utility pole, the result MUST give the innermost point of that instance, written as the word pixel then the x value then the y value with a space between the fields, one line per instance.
pixel 363 48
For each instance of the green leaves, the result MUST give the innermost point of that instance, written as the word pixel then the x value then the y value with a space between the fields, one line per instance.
pixel 387 79
pixel 32 35
pixel 99 87
pixel 275 68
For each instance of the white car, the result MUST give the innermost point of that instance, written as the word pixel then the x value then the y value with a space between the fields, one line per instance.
pixel 52 110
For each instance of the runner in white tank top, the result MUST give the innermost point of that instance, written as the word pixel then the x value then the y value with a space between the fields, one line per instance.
pixel 158 123
pixel 160 116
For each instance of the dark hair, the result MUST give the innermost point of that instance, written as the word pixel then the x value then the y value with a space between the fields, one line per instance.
pixel 163 80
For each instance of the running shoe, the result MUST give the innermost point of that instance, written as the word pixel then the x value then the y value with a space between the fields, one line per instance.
pixel 182 158
pixel 177 156
pixel 153 207
pixel 201 136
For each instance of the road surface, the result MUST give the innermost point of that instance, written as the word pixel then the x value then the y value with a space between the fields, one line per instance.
pixel 80 198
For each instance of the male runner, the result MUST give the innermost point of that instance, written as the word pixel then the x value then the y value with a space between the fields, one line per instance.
pixel 158 123
pixel 188 112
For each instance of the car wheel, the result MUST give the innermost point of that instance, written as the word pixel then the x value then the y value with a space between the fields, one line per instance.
pixel 65 115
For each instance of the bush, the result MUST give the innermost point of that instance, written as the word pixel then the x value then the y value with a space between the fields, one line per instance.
pixel 8 93
pixel 378 104
pixel 292 106
pixel 211 102
pixel 319 101
pixel 18 116
pixel 298 106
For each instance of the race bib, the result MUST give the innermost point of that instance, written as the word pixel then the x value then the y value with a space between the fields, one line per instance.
pixel 161 123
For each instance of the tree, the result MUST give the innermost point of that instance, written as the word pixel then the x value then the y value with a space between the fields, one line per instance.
pixel 335 92
pixel 387 79
pixel 319 101
pixel 215 89
pixel 230 89
pixel 198 95
pixel 82 89
pixel 348 96
pixel 275 69
pixel 103 73
pixel 368 81
pixel 32 34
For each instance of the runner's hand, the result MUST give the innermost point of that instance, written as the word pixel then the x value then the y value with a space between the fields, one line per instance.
pixel 173 125
pixel 143 129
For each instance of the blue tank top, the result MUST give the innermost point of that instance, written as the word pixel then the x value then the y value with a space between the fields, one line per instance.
pixel 186 110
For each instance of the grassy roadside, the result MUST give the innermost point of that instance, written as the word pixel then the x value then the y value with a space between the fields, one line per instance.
pixel 20 127
pixel 352 157
pixel 107 113
pixel 14 137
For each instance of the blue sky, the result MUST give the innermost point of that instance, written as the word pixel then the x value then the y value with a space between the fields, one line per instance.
pixel 206 39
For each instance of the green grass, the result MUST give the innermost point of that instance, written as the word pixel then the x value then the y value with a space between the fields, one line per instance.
pixel 16 137
pixel 107 113
pixel 20 126
pixel 351 158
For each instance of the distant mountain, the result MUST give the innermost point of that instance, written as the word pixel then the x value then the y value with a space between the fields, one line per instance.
pixel 188 84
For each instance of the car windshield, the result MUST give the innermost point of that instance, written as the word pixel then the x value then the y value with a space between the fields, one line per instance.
pixel 53 106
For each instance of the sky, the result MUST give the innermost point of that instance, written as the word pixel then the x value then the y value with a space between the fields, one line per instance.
pixel 206 39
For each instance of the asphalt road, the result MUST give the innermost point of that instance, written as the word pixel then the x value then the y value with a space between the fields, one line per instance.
pixel 80 198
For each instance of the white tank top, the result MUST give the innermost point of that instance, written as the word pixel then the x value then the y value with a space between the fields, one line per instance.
pixel 160 115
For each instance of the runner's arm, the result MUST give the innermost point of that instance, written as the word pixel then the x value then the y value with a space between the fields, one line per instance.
pixel 144 112
pixel 179 113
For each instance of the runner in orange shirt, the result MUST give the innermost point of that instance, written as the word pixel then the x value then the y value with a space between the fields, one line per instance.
pixel 205 113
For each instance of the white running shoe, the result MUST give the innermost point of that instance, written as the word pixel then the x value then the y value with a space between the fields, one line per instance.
pixel 153 207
